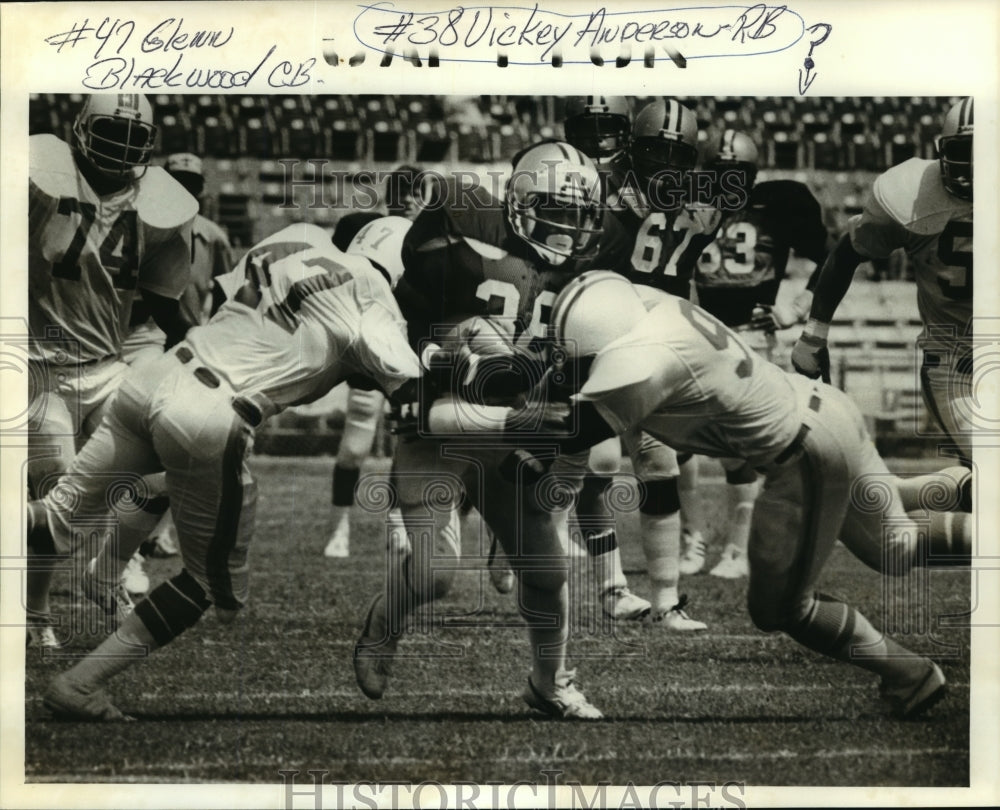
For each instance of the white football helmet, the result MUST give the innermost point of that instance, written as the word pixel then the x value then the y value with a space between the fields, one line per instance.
pixel 381 242
pixel 954 147
pixel 553 202
pixel 594 309
pixel 115 132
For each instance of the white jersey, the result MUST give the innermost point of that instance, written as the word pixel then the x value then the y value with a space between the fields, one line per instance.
pixel 910 208
pixel 300 317
pixel 693 384
pixel 87 253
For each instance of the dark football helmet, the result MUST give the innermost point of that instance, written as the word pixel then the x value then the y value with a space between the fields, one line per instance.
pixel 599 127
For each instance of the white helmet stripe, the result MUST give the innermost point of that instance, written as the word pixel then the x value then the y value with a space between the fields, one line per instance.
pixel 965 114
pixel 673 112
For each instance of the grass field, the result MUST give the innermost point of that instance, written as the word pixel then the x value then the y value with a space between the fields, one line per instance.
pixel 277 689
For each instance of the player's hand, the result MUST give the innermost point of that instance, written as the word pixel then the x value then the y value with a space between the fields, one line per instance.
pixel 811 357
pixel 771 318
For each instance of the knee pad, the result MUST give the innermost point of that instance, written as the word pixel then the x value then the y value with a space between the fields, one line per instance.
pixel 173 607
pixel 661 497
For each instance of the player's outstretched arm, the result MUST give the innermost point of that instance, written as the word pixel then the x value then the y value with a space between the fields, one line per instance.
pixel 810 355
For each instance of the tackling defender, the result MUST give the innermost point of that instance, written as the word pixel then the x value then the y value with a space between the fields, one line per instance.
pixel 300 317
pixel 103 225
pixel 689 380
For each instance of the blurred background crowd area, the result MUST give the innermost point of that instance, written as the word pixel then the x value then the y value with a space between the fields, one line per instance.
pixel 836 146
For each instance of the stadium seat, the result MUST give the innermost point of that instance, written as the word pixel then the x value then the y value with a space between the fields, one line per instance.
pixel 255 137
pixel 214 137
pixel 298 136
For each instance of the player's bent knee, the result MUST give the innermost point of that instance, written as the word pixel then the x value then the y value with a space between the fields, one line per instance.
pixel 662 497
pixel 549 581
pixel 766 612
pixel 172 607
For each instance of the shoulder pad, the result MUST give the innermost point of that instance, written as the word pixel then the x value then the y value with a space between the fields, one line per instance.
pixel 475 212
pixel 51 167
pixel 163 202
pixel 914 196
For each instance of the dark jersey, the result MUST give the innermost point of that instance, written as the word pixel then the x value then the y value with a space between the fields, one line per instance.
pixel 461 259
pixel 663 246
pixel 746 261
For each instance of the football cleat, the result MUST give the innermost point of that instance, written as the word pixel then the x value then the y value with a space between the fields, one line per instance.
pixel 501 574
pixel 620 604
pixel 133 578
pixel 165 543
pixel 566 702
pixel 68 700
pixel 374 651
pixel 733 565
pixel 913 697
pixel 111 597
pixel 693 559
pixel 676 618
pixel 40 631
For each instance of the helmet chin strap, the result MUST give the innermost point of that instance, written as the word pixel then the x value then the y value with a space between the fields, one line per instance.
pixel 548 255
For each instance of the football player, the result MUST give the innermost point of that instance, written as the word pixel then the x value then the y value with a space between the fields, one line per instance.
pixel 211 256
pixel 692 382
pixel 364 408
pixel 647 165
pixel 737 279
pixel 300 317
pixel 482 273
pixel 924 207
pixel 103 224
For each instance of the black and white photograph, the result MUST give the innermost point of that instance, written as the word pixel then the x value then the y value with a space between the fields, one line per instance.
pixel 623 443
